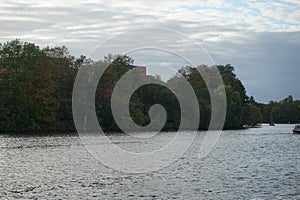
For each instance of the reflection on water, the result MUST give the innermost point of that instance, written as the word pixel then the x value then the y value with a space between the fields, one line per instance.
pixel 258 163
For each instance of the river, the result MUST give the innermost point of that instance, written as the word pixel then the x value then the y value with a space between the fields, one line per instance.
pixel 256 163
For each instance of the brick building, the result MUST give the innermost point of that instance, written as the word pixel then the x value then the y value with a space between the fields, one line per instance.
pixel 143 71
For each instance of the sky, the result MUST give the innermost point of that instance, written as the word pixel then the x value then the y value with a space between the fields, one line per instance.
pixel 261 39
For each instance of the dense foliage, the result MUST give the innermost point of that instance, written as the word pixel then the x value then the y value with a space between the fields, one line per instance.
pixel 36 92
pixel 36 87
pixel 284 111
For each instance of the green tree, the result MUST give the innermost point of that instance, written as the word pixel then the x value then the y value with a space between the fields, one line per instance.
pixel 117 66
pixel 234 111
pixel 62 69
pixel 286 111
pixel 255 116
pixel 38 86
pixel 39 91
pixel 18 59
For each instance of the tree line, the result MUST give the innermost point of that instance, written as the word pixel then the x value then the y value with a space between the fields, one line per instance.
pixel 285 111
pixel 36 92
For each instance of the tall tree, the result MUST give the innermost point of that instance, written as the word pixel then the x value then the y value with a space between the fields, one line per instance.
pixel 18 58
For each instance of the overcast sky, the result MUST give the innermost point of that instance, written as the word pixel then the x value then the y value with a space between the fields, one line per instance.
pixel 261 39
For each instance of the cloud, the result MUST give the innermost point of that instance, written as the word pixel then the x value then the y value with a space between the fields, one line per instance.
pixel 246 33
pixel 266 62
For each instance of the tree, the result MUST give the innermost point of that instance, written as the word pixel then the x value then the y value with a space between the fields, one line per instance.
pixel 38 84
pixel 287 111
pixel 234 114
pixel 62 69
pixel 39 91
pixel 117 66
pixel 18 58
pixel 284 111
pixel 255 116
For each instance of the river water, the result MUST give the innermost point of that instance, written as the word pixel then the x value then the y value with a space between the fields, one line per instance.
pixel 256 163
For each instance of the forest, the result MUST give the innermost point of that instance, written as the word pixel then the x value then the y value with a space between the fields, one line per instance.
pixel 36 87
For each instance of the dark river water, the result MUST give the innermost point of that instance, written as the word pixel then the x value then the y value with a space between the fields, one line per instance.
pixel 257 163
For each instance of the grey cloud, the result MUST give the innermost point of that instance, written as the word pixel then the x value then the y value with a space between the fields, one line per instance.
pixel 265 59
pixel 268 63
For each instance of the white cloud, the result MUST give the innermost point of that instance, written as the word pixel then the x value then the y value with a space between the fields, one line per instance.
pixel 225 27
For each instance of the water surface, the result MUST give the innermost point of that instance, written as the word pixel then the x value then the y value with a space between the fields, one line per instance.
pixel 258 163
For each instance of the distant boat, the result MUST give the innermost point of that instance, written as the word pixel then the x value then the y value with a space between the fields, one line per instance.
pixel 271 124
pixel 297 129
